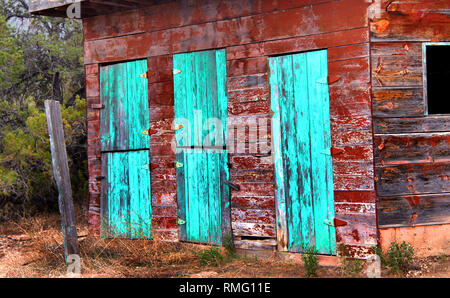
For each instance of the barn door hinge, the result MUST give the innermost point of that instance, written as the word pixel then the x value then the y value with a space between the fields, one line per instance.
pixel 150 166
pixel 329 222
pixel 144 75
pixel 176 71
pixel 180 221
pixel 178 164
pixel 232 185
pixel 149 132
pixel 178 127
pixel 97 106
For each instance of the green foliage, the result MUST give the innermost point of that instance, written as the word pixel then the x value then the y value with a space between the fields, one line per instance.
pixel 311 261
pixel 351 267
pixel 44 55
pixel 398 257
pixel 40 58
pixel 211 256
pixel 11 56
pixel 26 183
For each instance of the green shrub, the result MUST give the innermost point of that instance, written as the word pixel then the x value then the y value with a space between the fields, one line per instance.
pixel 27 185
pixel 311 261
pixel 211 256
pixel 398 257
pixel 351 267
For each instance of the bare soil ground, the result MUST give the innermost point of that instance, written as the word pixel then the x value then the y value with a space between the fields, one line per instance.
pixel 32 248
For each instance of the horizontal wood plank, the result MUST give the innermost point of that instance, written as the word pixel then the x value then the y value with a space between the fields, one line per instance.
pixel 403 211
pixel 398 102
pixel 412 125
pixel 412 148
pixel 253 229
pixel 396 71
pixel 411 179
pixel 410 26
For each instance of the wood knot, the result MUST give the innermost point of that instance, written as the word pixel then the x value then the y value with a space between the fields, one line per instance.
pixel 381 26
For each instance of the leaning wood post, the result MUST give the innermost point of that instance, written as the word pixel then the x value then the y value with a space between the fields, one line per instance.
pixel 62 177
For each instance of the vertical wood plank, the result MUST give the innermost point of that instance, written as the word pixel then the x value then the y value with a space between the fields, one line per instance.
pixel 320 148
pixel 104 207
pixel 289 146
pixel 181 194
pixel 306 230
pixel 280 201
pixel 201 156
pixel 62 176
pixel 105 135
pixel 145 200
pixel 179 81
pixel 225 234
pixel 135 191
pixel 329 192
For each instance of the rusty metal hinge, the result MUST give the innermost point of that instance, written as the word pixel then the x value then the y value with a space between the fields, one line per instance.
pixel 144 75
pixel 329 222
pixel 150 166
pixel 176 71
pixel 97 106
pixel 232 185
pixel 178 164
pixel 149 132
pixel 178 127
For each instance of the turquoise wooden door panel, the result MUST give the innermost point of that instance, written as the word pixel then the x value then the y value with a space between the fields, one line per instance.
pixel 126 211
pixel 125 115
pixel 202 162
pixel 302 152
pixel 125 193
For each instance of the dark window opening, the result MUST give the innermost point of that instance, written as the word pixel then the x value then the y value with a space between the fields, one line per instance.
pixel 438 79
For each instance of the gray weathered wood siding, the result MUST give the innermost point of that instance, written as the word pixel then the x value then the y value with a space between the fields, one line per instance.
pixel 411 149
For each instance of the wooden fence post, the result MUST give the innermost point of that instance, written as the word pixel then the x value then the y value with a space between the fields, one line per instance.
pixel 62 176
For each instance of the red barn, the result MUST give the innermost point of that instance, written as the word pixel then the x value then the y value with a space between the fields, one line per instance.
pixel 275 124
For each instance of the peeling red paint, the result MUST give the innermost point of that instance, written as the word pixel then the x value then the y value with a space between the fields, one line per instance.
pixel 355 235
pixel 339 222
pixel 414 216
pixel 381 26
pixel 414 201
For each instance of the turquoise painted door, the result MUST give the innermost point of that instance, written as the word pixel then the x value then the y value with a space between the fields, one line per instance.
pixel 302 152
pixel 125 194
pixel 202 169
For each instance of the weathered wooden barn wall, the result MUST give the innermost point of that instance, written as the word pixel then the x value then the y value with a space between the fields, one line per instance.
pixel 250 30
pixel 411 151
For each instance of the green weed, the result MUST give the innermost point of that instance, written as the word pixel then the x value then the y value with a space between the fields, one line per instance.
pixel 211 256
pixel 398 258
pixel 311 261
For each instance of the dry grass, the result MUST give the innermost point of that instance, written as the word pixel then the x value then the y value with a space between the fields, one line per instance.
pixel 33 248
pixel 38 251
